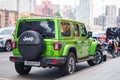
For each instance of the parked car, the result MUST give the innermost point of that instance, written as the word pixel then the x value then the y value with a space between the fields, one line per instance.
pixel 6 38
pixel 53 42
pixel 100 36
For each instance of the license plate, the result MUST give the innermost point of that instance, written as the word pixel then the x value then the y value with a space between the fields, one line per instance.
pixel 32 63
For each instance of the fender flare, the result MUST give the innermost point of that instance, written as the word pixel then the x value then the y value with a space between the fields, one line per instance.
pixel 67 49
pixel 93 47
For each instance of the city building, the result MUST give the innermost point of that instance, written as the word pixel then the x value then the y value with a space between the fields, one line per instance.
pixel 119 12
pixel 46 8
pixel 18 5
pixel 11 10
pixel 118 21
pixel 118 18
pixel 8 18
pixel 91 14
pixel 111 15
pixel 83 12
pixel 100 21
pixel 30 15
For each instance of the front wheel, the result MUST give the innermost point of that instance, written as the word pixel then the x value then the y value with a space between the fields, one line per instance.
pixel 70 66
pixel 98 58
pixel 22 69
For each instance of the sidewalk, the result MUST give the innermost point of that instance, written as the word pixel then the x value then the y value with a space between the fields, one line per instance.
pixel 109 70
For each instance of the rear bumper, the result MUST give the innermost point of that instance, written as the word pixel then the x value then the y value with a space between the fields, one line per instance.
pixel 43 62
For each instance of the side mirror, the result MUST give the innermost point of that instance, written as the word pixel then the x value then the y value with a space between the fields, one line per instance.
pixel 89 34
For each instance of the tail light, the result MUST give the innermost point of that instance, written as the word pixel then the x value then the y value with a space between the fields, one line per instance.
pixel 12 59
pixel 54 61
pixel 13 45
pixel 57 45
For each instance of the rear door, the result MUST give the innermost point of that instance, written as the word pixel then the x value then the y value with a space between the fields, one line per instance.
pixel 77 39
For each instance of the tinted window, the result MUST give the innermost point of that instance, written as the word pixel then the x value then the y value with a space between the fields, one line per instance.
pixel 65 29
pixel 76 30
pixel 46 28
pixel 84 32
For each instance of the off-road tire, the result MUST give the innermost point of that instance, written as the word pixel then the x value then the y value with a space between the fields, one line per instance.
pixel 22 69
pixel 98 58
pixel 70 66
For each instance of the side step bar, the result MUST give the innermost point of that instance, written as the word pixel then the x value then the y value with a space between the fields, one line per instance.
pixel 85 59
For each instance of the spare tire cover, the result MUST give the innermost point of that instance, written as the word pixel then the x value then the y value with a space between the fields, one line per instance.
pixel 30 45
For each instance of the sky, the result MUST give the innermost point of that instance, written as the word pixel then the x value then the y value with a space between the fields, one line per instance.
pixel 98 4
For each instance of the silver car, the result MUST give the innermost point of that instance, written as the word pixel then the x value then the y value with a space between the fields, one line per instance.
pixel 6 38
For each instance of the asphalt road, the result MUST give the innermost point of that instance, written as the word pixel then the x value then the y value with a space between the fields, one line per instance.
pixel 109 70
pixel 84 71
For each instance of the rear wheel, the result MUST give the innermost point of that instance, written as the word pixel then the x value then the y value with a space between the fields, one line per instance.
pixel 70 66
pixel 22 69
pixel 8 46
pixel 98 57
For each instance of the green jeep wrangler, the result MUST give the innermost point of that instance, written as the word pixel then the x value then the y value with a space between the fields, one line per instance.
pixel 47 42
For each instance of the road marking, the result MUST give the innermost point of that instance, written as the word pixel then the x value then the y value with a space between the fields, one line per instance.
pixel 4 79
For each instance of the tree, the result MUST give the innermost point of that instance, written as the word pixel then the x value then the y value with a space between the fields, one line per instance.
pixel 57 14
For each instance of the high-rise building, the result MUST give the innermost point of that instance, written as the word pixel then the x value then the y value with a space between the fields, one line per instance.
pixel 119 12
pixel 118 18
pixel 118 21
pixel 111 15
pixel 100 20
pixel 18 5
pixel 83 11
pixel 91 13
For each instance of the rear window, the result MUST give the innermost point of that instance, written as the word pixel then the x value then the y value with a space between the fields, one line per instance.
pixel 45 28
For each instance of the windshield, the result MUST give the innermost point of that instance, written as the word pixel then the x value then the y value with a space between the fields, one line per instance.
pixel 5 31
pixel 46 28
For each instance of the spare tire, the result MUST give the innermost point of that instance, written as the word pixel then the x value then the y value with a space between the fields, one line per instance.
pixel 30 45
